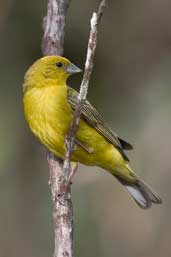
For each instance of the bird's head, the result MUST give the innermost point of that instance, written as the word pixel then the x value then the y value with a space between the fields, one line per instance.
pixel 49 70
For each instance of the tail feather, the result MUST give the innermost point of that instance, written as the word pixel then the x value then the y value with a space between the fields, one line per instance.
pixel 141 193
pixel 125 145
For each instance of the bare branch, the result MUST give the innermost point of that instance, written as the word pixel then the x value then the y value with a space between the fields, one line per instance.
pixel 54 25
pixel 92 43
pixel 52 44
pixel 62 211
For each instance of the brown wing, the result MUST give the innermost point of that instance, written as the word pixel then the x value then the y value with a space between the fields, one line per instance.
pixel 94 119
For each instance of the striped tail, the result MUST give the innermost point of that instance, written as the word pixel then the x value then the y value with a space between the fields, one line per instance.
pixel 141 193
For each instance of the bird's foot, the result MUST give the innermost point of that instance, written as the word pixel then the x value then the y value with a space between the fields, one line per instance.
pixel 74 166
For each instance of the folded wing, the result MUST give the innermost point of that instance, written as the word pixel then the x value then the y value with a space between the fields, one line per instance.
pixel 94 119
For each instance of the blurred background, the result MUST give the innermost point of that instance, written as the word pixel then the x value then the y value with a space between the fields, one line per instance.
pixel 131 87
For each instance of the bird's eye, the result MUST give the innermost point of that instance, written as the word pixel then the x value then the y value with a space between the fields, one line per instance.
pixel 59 64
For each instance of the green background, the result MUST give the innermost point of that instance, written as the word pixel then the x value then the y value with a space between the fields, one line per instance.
pixel 131 87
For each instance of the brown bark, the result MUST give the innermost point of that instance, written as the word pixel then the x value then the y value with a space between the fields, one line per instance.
pixel 52 44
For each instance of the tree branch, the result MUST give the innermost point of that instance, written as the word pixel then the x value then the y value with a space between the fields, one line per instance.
pixel 52 44
pixel 92 43
pixel 54 27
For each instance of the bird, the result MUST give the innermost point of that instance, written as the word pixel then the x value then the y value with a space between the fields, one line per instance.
pixel 49 104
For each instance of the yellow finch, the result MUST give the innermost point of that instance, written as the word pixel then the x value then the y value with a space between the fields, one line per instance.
pixel 49 104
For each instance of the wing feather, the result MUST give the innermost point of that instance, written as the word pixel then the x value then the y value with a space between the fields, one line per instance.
pixel 94 119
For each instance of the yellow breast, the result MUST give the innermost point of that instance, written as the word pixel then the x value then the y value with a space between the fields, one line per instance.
pixel 48 115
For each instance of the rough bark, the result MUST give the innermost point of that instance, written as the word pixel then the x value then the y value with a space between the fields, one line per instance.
pixel 54 27
pixel 52 44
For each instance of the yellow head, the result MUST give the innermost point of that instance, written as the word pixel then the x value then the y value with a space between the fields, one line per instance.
pixel 49 70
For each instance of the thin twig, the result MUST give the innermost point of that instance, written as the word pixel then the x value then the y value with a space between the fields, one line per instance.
pixel 92 43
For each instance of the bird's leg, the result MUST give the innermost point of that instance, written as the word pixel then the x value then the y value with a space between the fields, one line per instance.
pixel 84 146
pixel 74 166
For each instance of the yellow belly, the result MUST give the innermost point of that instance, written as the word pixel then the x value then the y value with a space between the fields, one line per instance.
pixel 49 116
